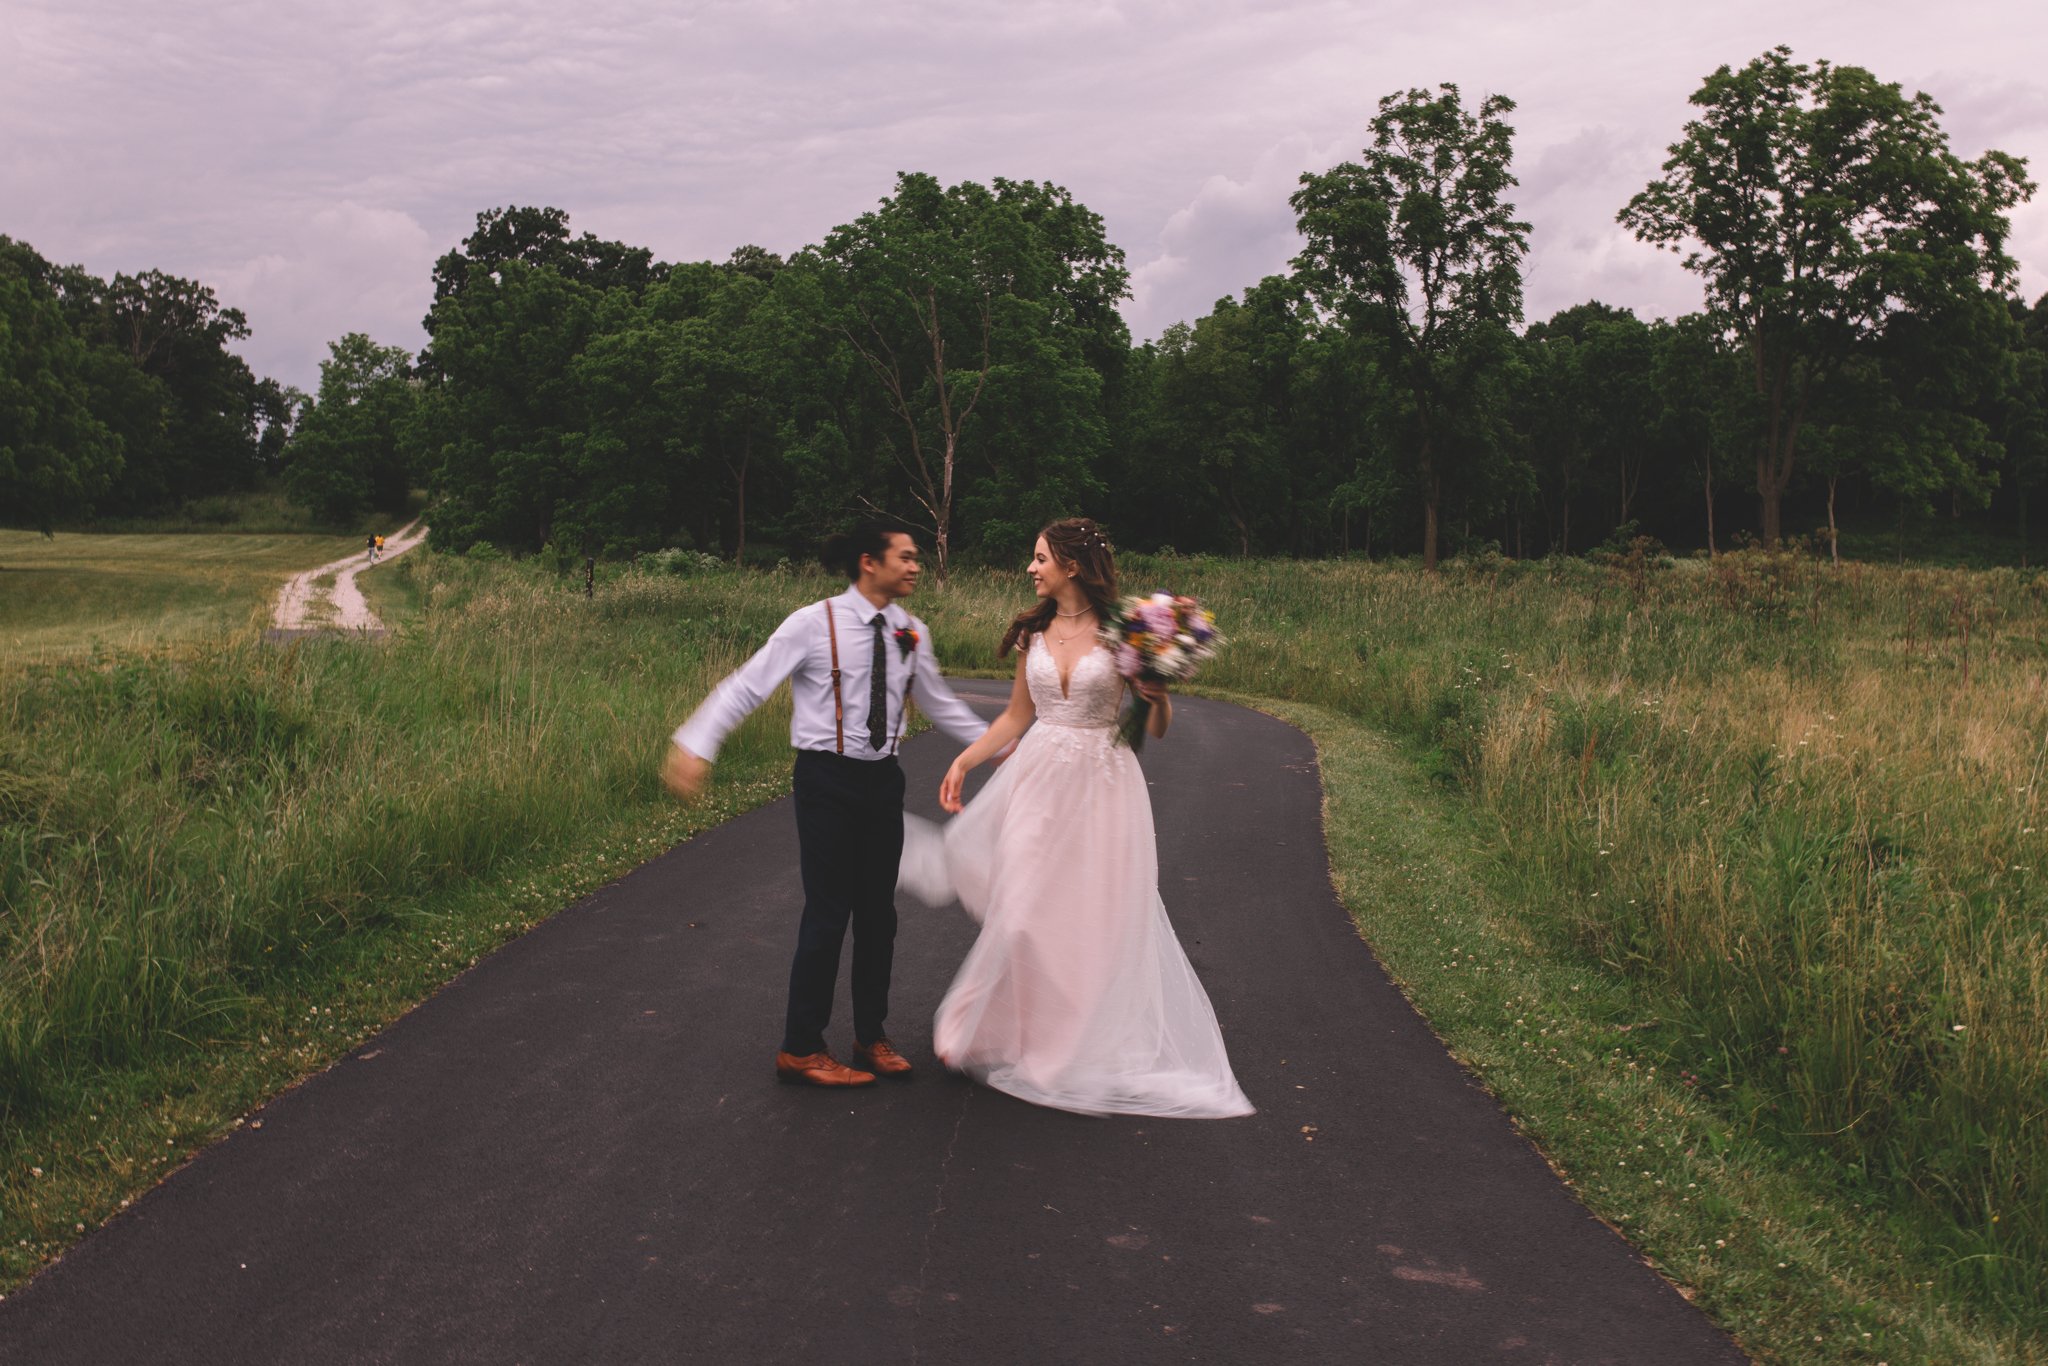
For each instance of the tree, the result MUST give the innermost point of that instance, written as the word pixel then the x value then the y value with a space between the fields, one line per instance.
pixel 1417 246
pixel 2023 419
pixel 1224 424
pixel 1703 416
pixel 1551 420
pixel 1817 203
pixel 726 368
pixel 939 292
pixel 347 455
pixel 502 422
pixel 177 333
pixel 55 456
pixel 279 408
pixel 540 237
pixel 1342 451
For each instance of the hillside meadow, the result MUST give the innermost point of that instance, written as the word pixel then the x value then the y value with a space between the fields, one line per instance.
pixel 1725 873
pixel 68 597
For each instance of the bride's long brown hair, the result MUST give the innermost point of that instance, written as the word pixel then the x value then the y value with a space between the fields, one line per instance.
pixel 1083 551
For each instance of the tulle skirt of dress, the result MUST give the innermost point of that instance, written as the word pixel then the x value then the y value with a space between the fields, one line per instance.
pixel 1077 994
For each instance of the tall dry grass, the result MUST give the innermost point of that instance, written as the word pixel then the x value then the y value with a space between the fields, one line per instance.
pixel 177 830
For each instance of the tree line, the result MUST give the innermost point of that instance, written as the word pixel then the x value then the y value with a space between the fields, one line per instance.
pixel 954 359
pixel 121 396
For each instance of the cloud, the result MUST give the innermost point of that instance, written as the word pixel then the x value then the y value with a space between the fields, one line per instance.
pixel 311 161
pixel 345 268
pixel 1571 190
pixel 1227 237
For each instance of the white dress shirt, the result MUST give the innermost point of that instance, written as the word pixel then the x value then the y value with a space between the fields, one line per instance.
pixel 800 650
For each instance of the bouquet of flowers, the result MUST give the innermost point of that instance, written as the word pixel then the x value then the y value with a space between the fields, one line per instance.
pixel 1163 638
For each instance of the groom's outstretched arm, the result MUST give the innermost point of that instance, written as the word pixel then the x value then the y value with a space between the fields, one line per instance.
pixel 939 702
pixel 746 687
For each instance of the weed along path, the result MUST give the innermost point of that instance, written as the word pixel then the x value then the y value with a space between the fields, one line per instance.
pixel 576 1152
pixel 327 598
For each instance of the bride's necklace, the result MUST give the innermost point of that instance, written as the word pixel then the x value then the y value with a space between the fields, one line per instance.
pixel 1075 635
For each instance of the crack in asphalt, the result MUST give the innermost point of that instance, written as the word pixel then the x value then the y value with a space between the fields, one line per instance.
pixel 931 1228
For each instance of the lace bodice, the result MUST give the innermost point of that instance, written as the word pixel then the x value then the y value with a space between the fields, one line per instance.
pixel 1094 689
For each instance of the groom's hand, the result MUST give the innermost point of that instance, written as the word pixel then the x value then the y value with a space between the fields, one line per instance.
pixel 684 774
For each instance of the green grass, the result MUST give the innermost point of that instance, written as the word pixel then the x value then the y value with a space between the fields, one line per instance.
pixel 1782 1250
pixel 198 847
pixel 76 595
pixel 1945 541
pixel 1779 820
pixel 398 598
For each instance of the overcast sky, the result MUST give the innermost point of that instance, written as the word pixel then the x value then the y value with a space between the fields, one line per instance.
pixel 311 160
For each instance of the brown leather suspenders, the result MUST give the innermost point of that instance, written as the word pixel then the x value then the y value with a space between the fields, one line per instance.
pixel 839 701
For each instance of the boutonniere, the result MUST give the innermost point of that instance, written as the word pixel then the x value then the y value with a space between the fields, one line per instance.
pixel 906 640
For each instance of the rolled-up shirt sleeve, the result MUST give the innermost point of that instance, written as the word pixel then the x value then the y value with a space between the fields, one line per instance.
pixel 745 688
pixel 939 702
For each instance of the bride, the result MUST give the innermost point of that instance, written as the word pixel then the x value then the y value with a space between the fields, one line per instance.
pixel 1076 995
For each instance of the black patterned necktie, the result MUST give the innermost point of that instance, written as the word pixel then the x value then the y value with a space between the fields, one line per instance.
pixel 878 697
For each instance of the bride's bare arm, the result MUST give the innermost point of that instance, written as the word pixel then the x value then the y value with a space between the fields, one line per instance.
pixel 1161 715
pixel 1015 720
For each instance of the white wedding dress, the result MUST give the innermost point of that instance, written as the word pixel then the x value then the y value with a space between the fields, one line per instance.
pixel 1076 995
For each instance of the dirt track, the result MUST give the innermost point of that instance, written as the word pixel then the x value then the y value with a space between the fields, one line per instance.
pixel 305 604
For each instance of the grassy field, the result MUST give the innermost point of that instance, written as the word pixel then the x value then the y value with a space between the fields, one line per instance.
pixel 1723 876
pixel 73 596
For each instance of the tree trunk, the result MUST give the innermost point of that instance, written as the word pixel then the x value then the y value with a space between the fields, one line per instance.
pixel 1834 537
pixel 1708 483
pixel 942 532
pixel 1767 499
pixel 739 547
pixel 1429 510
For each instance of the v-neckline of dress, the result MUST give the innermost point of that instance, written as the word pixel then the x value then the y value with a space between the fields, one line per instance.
pixel 1066 679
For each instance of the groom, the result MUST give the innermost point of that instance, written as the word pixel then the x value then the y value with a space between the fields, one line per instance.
pixel 853 661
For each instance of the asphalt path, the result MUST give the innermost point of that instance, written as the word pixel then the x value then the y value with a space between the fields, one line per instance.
pixel 576 1153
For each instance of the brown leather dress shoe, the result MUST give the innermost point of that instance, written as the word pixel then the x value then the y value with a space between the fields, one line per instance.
pixel 818 1069
pixel 881 1058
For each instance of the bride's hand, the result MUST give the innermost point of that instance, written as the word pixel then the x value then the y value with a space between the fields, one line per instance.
pixel 1151 689
pixel 949 788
